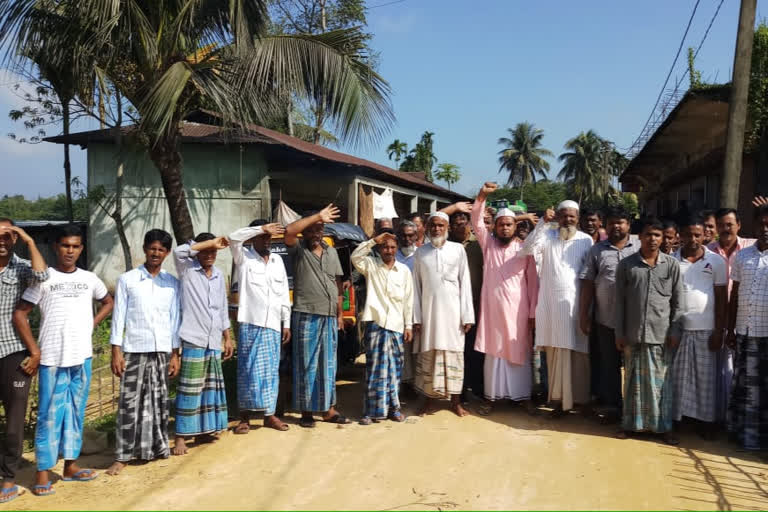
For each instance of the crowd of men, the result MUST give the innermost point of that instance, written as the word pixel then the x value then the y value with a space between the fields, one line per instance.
pixel 466 300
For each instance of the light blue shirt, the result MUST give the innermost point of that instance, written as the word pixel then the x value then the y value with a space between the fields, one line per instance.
pixel 147 312
pixel 205 315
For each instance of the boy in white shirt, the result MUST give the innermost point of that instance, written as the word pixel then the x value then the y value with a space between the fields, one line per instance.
pixel 64 359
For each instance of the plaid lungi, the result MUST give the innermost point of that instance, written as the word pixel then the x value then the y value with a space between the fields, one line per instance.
pixel 439 373
pixel 201 400
pixel 142 409
pixel 748 410
pixel 314 361
pixel 63 394
pixel 645 370
pixel 691 379
pixel 723 382
pixel 258 368
pixel 383 369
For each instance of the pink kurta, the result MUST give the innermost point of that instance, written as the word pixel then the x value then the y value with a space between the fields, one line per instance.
pixel 508 298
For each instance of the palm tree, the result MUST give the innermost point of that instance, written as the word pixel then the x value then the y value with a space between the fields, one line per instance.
pixel 585 167
pixel 449 173
pixel 171 58
pixel 522 156
pixel 397 149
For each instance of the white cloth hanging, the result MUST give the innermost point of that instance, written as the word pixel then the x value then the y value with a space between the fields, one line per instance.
pixel 283 214
pixel 384 205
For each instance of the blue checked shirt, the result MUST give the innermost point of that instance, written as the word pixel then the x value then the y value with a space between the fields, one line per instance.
pixel 147 312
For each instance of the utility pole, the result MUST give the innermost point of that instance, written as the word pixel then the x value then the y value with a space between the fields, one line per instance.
pixel 737 110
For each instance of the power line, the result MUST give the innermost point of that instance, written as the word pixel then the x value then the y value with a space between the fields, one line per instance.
pixel 386 4
pixel 671 69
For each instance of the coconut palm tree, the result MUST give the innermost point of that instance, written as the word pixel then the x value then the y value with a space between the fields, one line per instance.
pixel 173 57
pixel 522 156
pixel 449 173
pixel 585 166
pixel 397 149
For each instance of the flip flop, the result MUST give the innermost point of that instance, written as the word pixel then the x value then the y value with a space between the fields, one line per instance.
pixel 307 422
pixel 6 495
pixel 78 477
pixel 396 416
pixel 43 490
pixel 338 419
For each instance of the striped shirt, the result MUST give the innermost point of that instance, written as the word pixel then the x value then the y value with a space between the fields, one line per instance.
pixel 750 270
pixel 14 279
pixel 147 312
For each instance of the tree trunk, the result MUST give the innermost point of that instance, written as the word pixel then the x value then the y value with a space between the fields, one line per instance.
pixel 67 164
pixel 117 215
pixel 166 156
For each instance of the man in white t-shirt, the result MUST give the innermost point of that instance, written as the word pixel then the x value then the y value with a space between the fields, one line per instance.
pixel 64 360
pixel 691 384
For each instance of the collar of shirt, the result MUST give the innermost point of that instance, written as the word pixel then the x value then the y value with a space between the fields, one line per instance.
pixel 215 272
pixel 609 245
pixel 660 260
pixel 144 274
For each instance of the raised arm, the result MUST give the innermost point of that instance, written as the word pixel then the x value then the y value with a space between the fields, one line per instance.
pixel 461 206
pixel 327 216
pixel 39 267
pixel 534 242
pixel 478 210
pixel 242 235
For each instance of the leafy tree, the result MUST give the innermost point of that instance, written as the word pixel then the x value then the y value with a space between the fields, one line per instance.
pixel 522 156
pixel 449 173
pixel 538 196
pixel 588 165
pixel 168 59
pixel 397 149
pixel 43 208
pixel 422 157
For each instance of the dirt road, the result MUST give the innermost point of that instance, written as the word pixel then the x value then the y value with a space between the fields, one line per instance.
pixel 507 460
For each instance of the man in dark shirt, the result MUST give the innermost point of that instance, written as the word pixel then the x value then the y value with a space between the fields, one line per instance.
pixel 649 306
pixel 316 318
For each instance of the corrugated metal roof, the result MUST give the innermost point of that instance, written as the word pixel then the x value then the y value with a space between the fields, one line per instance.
pixel 44 223
pixel 202 133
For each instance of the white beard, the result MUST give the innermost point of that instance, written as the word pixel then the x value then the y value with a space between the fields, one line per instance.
pixel 408 250
pixel 438 241
pixel 566 233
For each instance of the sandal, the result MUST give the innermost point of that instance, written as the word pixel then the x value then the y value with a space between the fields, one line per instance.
pixel 396 416
pixel 242 428
pixel 43 490
pixel 307 422
pixel 78 477
pixel 338 419
pixel 9 494
pixel 367 420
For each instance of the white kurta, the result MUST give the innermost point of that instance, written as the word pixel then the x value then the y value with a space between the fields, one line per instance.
pixel 442 301
pixel 557 312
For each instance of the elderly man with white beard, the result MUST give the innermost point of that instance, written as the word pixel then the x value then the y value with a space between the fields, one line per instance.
pixel 443 313
pixel 562 252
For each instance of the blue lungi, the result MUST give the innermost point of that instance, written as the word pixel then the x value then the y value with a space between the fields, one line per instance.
pixel 258 365
pixel 201 399
pixel 63 393
pixel 314 340
pixel 383 369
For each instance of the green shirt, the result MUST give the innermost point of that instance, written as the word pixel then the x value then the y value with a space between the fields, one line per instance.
pixel 314 279
pixel 649 300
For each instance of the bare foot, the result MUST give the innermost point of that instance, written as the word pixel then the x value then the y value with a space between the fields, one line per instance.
pixel 622 434
pixel 459 409
pixel 274 422
pixel 206 438
pixel 179 446
pixel 242 428
pixel 115 468
pixel 426 408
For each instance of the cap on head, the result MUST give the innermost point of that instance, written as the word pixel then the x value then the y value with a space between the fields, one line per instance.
pixel 503 212
pixel 568 204
pixel 440 215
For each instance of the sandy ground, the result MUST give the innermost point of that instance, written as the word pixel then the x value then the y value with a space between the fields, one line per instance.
pixel 505 461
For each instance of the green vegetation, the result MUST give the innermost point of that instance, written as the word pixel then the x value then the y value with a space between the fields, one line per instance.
pixel 422 157
pixel 538 196
pixel 523 157
pixel 43 208
pixel 448 173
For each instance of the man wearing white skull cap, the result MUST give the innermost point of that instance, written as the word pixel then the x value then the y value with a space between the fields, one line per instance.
pixel 562 252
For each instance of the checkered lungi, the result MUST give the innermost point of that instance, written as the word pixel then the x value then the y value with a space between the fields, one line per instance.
pixel 645 369
pixel 383 369
pixel 439 373
pixel 63 393
pixel 142 408
pixel 691 379
pixel 314 341
pixel 258 366
pixel 748 409
pixel 201 400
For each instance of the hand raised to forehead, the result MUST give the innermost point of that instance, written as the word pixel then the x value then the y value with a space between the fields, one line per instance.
pixel 329 214
pixel 383 237
pixel 273 229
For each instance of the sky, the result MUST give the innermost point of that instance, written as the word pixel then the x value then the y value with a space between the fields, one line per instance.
pixel 468 71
